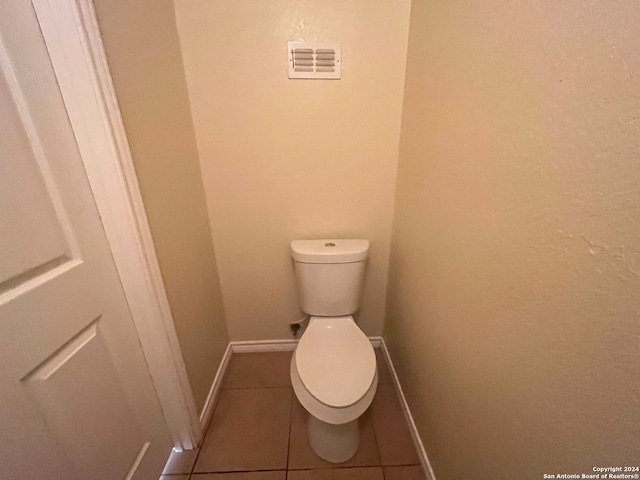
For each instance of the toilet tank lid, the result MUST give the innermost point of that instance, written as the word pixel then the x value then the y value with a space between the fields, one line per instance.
pixel 330 250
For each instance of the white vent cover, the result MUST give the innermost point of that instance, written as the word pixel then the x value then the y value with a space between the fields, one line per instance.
pixel 314 60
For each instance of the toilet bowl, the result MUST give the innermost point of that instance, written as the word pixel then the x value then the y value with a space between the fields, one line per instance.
pixel 333 370
pixel 334 376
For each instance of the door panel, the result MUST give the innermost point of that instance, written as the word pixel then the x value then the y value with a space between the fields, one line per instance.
pixel 32 215
pixel 73 413
pixel 77 398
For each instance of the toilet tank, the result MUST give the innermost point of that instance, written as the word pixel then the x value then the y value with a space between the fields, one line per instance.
pixel 329 275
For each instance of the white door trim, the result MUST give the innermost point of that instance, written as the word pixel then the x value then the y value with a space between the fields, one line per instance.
pixel 72 35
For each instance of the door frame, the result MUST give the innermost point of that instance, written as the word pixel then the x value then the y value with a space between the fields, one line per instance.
pixel 72 35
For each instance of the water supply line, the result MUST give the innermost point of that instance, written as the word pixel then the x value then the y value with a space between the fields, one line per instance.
pixel 295 326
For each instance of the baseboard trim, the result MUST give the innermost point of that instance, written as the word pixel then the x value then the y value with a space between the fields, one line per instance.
pixel 255 346
pixel 280 345
pixel 214 391
pixel 424 460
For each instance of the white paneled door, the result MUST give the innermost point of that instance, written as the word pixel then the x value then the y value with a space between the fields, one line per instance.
pixel 76 398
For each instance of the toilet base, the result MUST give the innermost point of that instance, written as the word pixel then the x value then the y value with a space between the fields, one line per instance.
pixel 333 443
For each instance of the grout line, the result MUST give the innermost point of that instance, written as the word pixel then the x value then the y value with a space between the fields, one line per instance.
pixel 290 427
pixel 375 436
pixel 337 467
pixel 193 466
pixel 233 471
pixel 262 388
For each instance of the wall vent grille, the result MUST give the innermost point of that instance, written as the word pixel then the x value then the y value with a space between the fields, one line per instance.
pixel 320 61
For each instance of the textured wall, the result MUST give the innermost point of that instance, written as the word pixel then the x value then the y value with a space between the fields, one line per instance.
pixel 143 50
pixel 513 306
pixel 285 159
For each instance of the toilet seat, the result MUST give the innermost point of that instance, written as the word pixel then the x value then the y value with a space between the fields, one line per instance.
pixel 335 362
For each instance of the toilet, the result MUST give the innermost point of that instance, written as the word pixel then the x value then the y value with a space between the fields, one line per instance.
pixel 333 369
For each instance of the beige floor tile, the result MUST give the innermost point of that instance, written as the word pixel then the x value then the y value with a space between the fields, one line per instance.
pixel 259 370
pixel 392 432
pixel 371 473
pixel 413 472
pixel 180 462
pixel 277 475
pixel 383 371
pixel 301 456
pixel 249 431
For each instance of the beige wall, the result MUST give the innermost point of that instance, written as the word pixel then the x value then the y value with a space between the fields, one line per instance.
pixel 513 294
pixel 285 159
pixel 144 56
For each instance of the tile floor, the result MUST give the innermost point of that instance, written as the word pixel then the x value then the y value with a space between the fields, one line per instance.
pixel 258 432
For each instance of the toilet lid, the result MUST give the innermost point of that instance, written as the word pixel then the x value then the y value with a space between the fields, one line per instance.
pixel 335 361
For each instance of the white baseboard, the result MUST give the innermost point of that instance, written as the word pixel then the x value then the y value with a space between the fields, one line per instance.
pixel 254 346
pixel 214 391
pixel 283 345
pixel 422 454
